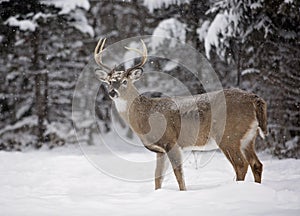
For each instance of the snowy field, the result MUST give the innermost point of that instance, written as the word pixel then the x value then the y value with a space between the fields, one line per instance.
pixel 63 182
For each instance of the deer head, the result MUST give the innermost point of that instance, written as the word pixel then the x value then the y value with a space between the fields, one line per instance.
pixel 118 81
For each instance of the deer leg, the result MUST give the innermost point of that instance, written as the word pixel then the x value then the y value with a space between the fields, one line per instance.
pixel 238 161
pixel 160 169
pixel 255 164
pixel 174 155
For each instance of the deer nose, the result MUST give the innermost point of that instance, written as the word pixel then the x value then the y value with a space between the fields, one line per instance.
pixel 113 94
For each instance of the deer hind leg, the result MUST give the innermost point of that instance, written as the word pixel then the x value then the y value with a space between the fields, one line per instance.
pixel 161 167
pixel 255 164
pixel 238 161
pixel 174 155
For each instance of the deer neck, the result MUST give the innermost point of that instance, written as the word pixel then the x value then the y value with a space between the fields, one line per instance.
pixel 124 101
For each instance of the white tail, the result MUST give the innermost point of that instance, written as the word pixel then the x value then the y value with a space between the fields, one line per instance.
pixel 159 121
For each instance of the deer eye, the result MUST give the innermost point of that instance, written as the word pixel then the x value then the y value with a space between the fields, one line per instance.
pixel 124 82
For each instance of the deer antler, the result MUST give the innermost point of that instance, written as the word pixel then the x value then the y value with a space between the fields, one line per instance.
pixel 98 54
pixel 143 53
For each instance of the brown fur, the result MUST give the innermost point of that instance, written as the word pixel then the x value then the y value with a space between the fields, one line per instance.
pixel 231 118
pixel 261 113
pixel 242 109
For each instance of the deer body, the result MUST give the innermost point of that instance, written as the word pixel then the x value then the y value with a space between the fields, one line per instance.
pixel 165 125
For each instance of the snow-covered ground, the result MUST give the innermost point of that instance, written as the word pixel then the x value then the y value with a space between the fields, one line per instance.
pixel 63 182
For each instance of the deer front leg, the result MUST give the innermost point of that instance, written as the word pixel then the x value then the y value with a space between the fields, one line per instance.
pixel 160 169
pixel 174 155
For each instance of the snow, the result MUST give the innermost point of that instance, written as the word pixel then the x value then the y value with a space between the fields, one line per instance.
pixel 68 5
pixel 265 24
pixel 154 4
pixel 11 76
pixel 291 144
pixel 250 71
pixel 212 33
pixel 79 20
pixel 59 129
pixel 224 23
pixel 24 25
pixel 288 34
pixel 24 108
pixel 28 121
pixel 255 5
pixel 41 15
pixel 168 28
pixel 202 30
pixel 81 23
pixel 27 24
pixel 63 181
pixel 170 65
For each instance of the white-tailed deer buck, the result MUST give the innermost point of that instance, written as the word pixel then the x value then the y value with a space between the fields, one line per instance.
pixel 159 121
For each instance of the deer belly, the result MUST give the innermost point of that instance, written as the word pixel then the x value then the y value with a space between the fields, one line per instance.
pixel 208 146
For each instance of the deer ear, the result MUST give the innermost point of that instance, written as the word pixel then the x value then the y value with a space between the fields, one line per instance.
pixel 135 74
pixel 101 75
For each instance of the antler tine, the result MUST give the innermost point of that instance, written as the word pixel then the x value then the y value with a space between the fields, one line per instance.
pixel 98 54
pixel 143 53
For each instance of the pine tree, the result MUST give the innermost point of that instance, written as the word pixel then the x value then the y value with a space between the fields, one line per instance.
pixel 262 39
pixel 38 39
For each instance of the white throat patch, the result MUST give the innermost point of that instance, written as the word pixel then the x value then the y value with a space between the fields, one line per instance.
pixel 121 104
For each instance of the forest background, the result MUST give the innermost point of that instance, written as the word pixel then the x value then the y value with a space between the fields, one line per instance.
pixel 45 44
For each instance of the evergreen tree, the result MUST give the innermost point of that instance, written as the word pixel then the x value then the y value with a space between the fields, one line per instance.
pixel 262 39
pixel 254 45
pixel 35 91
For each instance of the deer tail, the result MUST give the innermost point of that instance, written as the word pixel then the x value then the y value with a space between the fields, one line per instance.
pixel 261 115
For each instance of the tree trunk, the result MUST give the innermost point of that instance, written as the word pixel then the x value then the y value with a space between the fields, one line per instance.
pixel 41 90
pixel 238 68
pixel 39 109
